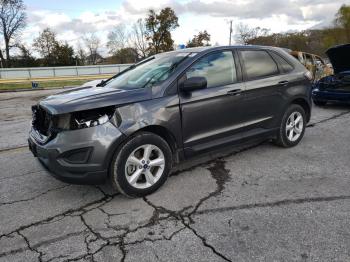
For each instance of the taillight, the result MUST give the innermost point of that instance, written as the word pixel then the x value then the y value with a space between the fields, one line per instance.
pixel 308 75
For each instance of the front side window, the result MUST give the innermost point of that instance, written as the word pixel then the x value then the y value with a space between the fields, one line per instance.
pixel 258 64
pixel 218 68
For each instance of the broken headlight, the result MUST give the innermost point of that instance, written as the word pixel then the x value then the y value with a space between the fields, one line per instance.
pixel 99 120
pixel 85 119
pixel 91 118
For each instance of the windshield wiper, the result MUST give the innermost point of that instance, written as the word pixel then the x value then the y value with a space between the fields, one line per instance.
pixel 173 66
pixel 104 82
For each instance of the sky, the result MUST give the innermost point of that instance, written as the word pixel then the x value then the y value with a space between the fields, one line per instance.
pixel 72 19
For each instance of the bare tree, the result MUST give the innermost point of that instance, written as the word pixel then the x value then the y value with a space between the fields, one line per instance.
pixel 92 43
pixel 45 44
pixel 244 33
pixel 118 39
pixel 81 54
pixel 12 21
pixel 138 38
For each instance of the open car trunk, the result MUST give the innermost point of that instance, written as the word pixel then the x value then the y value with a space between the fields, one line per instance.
pixel 340 58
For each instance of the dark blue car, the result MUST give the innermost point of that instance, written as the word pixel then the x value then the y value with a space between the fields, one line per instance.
pixel 335 88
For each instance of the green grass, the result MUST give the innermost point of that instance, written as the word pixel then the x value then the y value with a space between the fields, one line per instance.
pixel 43 84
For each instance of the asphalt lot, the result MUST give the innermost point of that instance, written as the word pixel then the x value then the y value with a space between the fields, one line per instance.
pixel 257 203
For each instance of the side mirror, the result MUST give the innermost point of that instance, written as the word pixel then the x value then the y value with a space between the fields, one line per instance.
pixel 194 83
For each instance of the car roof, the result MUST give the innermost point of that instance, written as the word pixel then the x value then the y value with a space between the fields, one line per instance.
pixel 204 49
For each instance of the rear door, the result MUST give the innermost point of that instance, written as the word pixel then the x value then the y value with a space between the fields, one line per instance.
pixel 263 83
pixel 212 116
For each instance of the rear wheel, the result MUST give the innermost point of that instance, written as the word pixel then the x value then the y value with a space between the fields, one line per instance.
pixel 292 127
pixel 141 165
pixel 320 103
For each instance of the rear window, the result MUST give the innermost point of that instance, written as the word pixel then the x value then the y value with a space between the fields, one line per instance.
pixel 258 64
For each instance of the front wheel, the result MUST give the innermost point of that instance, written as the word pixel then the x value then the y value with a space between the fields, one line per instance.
pixel 141 165
pixel 292 127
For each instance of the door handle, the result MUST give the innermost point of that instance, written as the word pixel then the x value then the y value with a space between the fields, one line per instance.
pixel 234 92
pixel 283 83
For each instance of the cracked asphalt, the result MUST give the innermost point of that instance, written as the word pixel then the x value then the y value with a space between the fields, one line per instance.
pixel 255 203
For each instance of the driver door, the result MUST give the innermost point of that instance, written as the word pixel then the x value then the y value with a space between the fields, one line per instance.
pixel 212 116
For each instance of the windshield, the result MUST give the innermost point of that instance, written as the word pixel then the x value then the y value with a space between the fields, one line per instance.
pixel 149 73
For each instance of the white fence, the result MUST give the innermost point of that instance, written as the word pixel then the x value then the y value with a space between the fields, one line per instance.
pixel 64 71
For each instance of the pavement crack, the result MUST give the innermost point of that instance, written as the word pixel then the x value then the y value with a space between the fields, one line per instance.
pixel 105 193
pixel 6 149
pixel 274 204
pixel 25 174
pixel 96 234
pixel 156 239
pixel 221 176
pixel 34 197
pixel 205 242
pixel 327 119
pixel 181 217
pixel 83 208
pixel 57 239
pixel 30 247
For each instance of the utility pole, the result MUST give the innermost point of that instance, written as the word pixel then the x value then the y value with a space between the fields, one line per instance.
pixel 230 32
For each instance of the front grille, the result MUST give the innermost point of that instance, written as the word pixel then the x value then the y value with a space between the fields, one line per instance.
pixel 42 121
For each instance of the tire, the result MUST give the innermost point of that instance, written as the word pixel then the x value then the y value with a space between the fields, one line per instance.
pixel 320 103
pixel 132 172
pixel 284 139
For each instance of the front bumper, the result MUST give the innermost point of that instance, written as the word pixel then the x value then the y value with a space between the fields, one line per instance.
pixel 326 95
pixel 79 156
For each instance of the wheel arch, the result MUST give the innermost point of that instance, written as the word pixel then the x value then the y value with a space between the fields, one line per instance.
pixel 163 132
pixel 305 105
pixel 155 129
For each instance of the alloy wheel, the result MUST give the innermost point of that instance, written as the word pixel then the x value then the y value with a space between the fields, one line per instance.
pixel 294 126
pixel 144 166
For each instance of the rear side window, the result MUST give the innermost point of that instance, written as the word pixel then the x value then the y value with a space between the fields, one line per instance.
pixel 258 64
pixel 218 68
pixel 282 63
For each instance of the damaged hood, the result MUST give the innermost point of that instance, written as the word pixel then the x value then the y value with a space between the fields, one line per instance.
pixel 85 98
pixel 340 58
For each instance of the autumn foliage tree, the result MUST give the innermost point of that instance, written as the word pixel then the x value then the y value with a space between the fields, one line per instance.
pixel 202 39
pixel 158 30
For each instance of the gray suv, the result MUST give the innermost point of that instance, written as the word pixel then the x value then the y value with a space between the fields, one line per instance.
pixel 133 127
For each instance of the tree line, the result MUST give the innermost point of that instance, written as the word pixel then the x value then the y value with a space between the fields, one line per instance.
pixel 315 41
pixel 147 36
pixel 126 44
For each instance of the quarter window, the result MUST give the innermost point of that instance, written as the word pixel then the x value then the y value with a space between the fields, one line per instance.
pixel 283 64
pixel 258 63
pixel 218 68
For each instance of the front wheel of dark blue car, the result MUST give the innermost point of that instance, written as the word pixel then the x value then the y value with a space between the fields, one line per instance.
pixel 141 165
